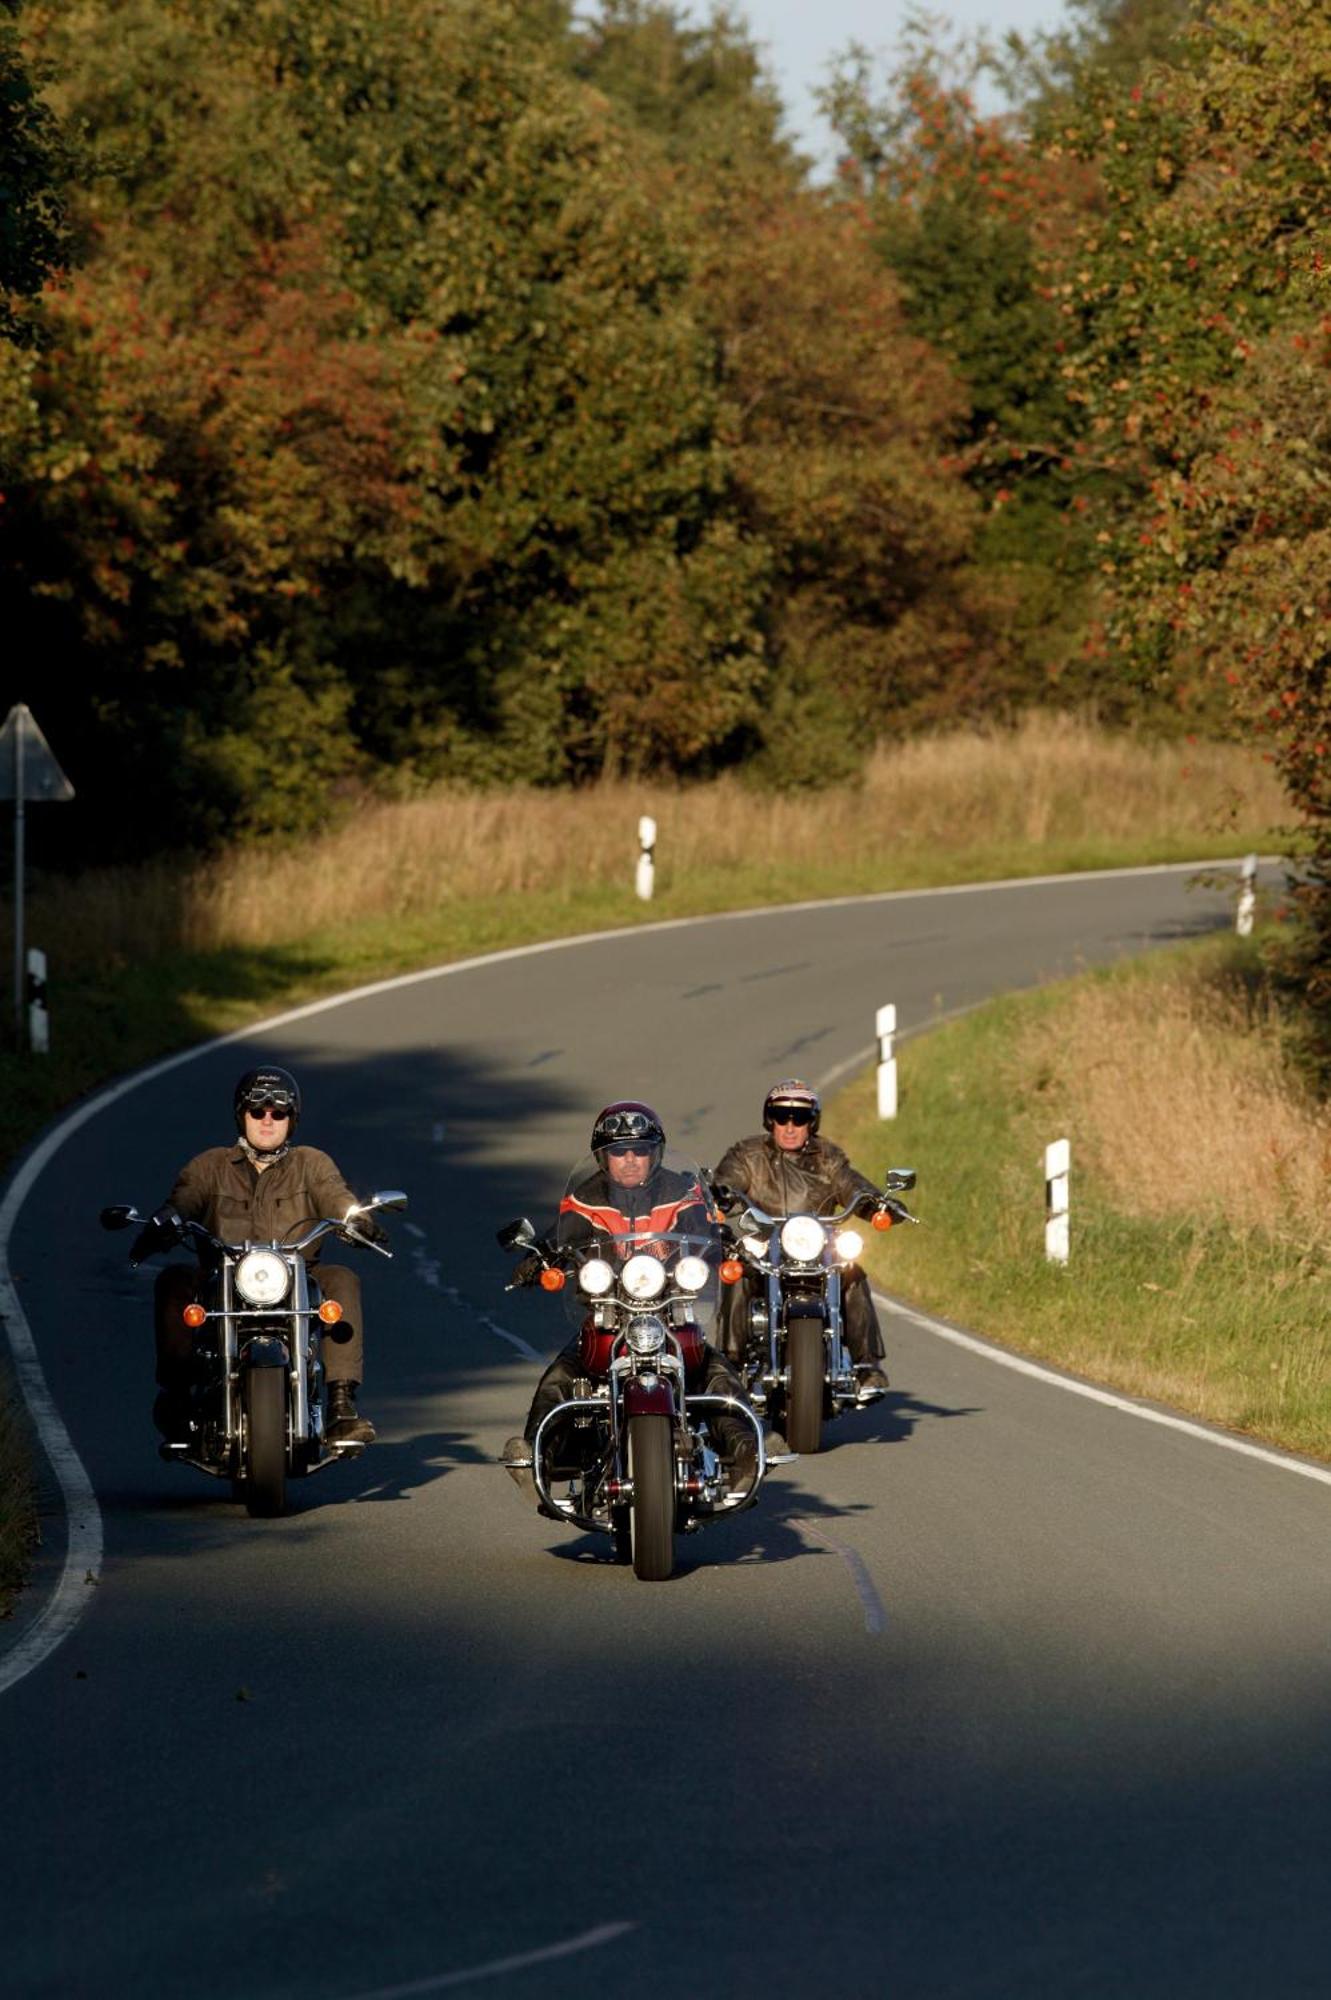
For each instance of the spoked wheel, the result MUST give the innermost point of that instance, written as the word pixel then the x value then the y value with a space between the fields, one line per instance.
pixel 265 1483
pixel 804 1394
pixel 652 1511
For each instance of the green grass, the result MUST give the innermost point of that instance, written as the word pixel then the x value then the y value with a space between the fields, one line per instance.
pixel 1200 1312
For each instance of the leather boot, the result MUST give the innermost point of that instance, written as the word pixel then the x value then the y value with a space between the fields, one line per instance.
pixel 345 1424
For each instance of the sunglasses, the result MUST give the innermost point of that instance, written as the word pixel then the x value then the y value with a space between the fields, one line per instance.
pixel 625 1151
pixel 626 1125
pixel 257 1106
pixel 791 1114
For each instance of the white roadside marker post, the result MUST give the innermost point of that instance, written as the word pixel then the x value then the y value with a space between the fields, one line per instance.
pixel 39 1019
pixel 646 862
pixel 1247 896
pixel 887 1062
pixel 1057 1162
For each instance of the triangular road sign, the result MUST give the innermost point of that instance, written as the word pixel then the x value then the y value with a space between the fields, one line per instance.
pixel 25 753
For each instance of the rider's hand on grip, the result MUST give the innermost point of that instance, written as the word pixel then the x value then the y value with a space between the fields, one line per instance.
pixel 528 1271
pixel 159 1232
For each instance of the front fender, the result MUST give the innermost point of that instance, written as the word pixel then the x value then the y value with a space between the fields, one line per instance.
pixel 648 1397
pixel 265 1350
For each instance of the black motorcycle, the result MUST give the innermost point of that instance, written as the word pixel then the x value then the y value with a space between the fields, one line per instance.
pixel 796 1364
pixel 257 1402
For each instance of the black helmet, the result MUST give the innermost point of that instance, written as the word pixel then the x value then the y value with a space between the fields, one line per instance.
pixel 269 1085
pixel 791 1093
pixel 626 1122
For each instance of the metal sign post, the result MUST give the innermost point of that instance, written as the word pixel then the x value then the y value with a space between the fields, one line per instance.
pixel 28 770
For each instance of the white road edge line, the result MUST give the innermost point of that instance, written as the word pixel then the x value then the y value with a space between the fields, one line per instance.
pixel 588 1941
pixel 83 1554
pixel 1283 1461
pixel 875 1618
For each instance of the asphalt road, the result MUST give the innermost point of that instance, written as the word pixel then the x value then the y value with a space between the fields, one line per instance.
pixel 1007 1693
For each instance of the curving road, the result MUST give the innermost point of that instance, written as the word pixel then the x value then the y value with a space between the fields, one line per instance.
pixel 1008 1693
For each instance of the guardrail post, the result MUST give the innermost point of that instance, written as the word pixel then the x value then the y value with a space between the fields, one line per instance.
pixel 646 857
pixel 887 1062
pixel 1247 896
pixel 1057 1163
pixel 39 1020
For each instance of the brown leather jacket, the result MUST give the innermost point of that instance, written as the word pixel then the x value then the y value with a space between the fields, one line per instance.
pixel 222 1189
pixel 817 1180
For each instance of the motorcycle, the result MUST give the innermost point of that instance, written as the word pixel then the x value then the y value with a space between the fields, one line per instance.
pixel 631 1446
pixel 257 1405
pixel 797 1368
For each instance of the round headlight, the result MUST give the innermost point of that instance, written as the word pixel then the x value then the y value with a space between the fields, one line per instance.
pixel 644 1277
pixel 691 1274
pixel 645 1333
pixel 803 1238
pixel 849 1243
pixel 596 1276
pixel 262 1277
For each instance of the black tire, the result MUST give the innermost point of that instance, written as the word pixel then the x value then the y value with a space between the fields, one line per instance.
pixel 265 1394
pixel 804 1391
pixel 652 1514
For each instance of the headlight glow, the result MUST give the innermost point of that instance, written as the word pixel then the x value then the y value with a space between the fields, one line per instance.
pixel 802 1238
pixel 756 1245
pixel 691 1274
pixel 644 1277
pixel 645 1333
pixel 849 1243
pixel 262 1277
pixel 596 1277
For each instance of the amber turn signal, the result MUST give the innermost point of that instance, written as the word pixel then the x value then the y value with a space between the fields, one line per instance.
pixel 194 1315
pixel 882 1220
pixel 731 1271
pixel 330 1312
pixel 552 1281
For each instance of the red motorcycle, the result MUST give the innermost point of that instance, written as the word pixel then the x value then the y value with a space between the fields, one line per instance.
pixel 631 1451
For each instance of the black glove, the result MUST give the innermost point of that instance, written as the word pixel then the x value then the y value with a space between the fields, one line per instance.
pixel 159 1232
pixel 366 1229
pixel 528 1271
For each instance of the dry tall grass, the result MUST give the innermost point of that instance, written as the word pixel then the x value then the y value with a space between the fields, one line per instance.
pixel 1052 779
pixel 1186 1105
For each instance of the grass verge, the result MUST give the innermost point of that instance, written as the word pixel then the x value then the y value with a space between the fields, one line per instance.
pixel 18 1513
pixel 1201 1247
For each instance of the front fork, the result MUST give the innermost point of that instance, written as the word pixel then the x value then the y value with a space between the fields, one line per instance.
pixel 837 1363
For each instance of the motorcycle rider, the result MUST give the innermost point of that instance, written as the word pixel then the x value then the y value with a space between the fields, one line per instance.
pixel 631 1195
pixel 261 1189
pixel 788 1168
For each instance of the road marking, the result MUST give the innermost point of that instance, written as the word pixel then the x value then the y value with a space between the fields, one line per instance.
pixel 875 1618
pixel 493 1326
pixel 83 1552
pixel 1283 1461
pixel 588 1941
pixel 83 1534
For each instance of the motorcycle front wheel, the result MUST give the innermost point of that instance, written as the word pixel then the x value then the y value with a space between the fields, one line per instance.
pixel 804 1391
pixel 652 1509
pixel 265 1483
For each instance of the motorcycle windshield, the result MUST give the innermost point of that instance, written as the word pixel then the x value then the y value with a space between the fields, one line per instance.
pixel 624 1205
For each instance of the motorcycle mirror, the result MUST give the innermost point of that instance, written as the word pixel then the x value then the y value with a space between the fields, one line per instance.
pixel 390 1198
pixel 517 1235
pixel 119 1217
pixel 901 1178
